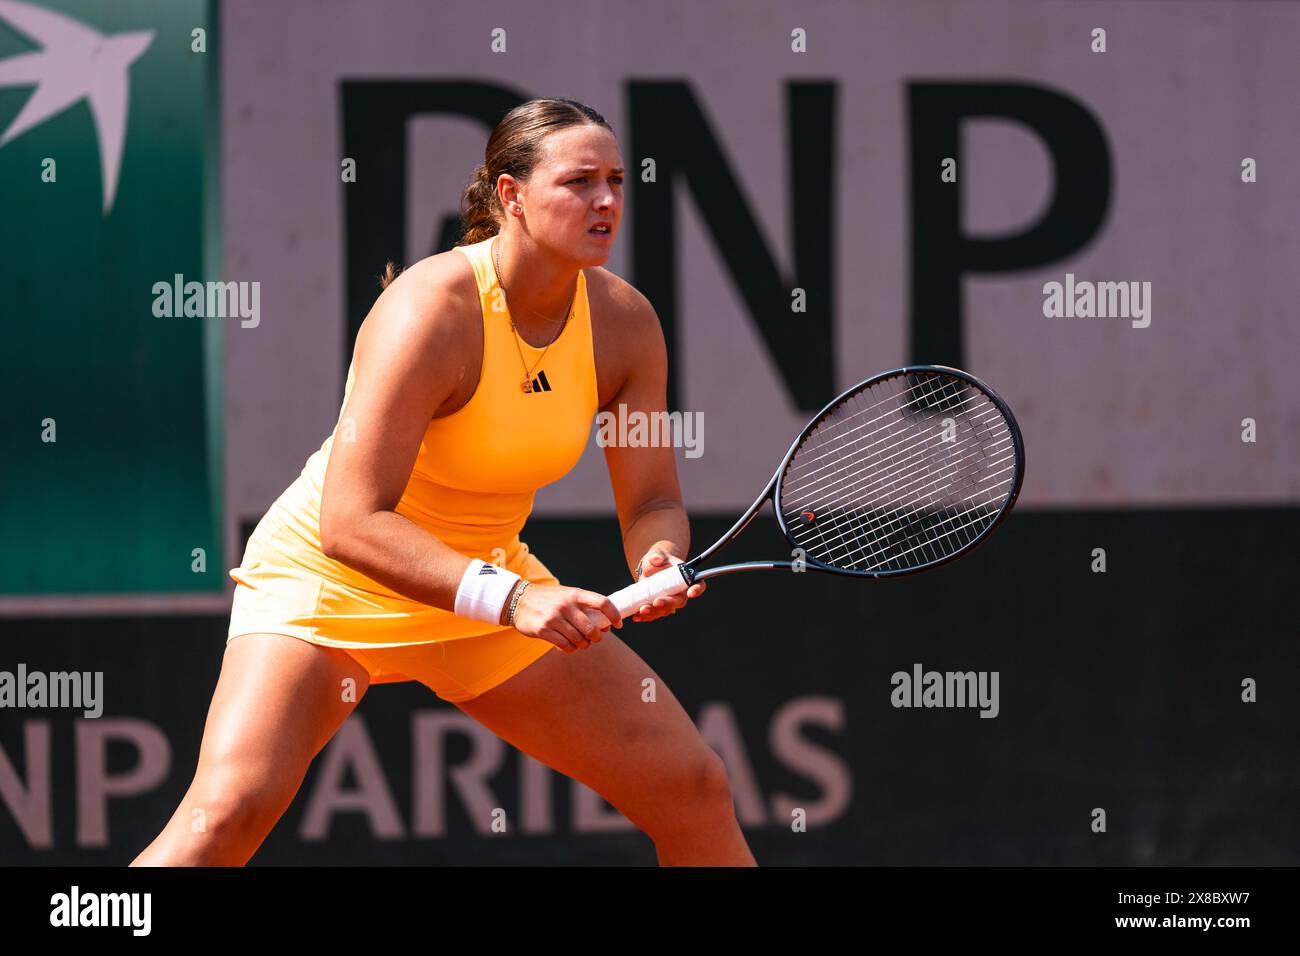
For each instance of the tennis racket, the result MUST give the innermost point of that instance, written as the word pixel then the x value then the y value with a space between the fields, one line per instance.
pixel 902 473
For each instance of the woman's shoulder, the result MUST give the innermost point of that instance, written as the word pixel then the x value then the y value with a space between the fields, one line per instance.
pixel 614 297
pixel 442 276
pixel 431 304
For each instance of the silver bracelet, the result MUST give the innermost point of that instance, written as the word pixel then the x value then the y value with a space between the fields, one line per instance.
pixel 514 602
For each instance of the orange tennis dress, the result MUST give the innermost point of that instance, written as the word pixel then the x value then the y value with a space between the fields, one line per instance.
pixel 472 486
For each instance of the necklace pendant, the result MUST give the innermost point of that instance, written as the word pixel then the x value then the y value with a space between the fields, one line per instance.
pixel 526 385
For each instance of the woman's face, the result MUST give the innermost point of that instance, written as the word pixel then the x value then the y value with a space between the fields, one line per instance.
pixel 577 183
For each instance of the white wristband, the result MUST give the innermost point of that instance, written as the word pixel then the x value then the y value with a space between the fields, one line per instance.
pixel 484 590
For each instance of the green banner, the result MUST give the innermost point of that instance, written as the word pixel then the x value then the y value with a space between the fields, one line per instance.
pixel 110 423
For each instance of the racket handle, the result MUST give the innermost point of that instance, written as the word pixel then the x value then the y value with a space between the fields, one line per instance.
pixel 668 581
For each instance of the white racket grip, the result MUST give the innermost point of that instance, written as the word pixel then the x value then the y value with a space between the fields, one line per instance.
pixel 668 581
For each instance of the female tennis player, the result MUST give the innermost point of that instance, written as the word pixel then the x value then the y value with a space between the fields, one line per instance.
pixel 395 555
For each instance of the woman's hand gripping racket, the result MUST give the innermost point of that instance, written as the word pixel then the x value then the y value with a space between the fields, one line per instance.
pixel 904 472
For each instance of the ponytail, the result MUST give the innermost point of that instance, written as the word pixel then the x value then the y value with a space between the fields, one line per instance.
pixel 479 206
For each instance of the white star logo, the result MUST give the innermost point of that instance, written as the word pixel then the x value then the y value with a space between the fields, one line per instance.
pixel 74 63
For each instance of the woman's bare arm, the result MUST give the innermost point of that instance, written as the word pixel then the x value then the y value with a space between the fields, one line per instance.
pixel 408 358
pixel 647 493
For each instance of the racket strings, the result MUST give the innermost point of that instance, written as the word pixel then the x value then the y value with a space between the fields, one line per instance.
pixel 916 502
pixel 849 545
pixel 796 467
pixel 841 462
pixel 903 473
pixel 910 496
pixel 919 480
pixel 915 509
pixel 918 452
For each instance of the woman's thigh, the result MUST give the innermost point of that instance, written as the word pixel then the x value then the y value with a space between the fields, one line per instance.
pixel 282 694
pixel 278 701
pixel 604 717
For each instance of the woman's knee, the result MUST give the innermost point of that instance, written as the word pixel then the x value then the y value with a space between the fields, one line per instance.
pixel 692 790
pixel 229 810
pixel 705 779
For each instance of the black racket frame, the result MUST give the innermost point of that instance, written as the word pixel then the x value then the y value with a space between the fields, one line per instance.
pixel 772 492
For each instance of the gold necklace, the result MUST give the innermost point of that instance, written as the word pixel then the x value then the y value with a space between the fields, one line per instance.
pixel 527 384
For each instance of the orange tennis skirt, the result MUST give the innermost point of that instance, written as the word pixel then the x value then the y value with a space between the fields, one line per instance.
pixel 393 638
